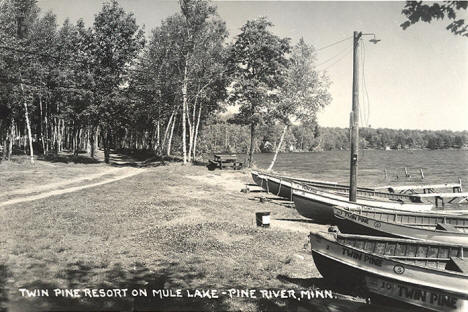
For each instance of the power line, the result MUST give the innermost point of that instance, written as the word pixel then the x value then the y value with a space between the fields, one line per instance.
pixel 334 43
pixel 365 85
pixel 334 56
pixel 339 59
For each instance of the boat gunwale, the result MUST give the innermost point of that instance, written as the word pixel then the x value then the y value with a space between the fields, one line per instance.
pixel 398 224
pixel 370 270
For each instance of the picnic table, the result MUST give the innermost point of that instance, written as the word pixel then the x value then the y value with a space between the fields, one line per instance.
pixel 226 160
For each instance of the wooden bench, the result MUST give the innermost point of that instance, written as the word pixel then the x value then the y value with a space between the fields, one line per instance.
pixel 226 160
pixel 426 189
pixel 441 196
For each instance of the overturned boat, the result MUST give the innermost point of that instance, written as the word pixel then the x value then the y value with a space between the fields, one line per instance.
pixel 410 273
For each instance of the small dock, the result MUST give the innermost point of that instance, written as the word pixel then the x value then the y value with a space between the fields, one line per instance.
pixel 425 188
pixel 441 196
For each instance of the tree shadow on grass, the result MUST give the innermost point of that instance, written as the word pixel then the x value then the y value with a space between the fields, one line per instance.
pixel 68 158
pixel 139 278
pixel 3 290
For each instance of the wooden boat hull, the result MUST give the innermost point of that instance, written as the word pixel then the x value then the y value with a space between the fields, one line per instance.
pixel 375 275
pixel 404 225
pixel 316 207
pixel 282 188
pixel 319 205
pixel 257 178
pixel 271 185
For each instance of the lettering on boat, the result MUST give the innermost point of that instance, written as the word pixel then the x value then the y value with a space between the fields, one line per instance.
pixel 356 217
pixel 427 296
pixel 409 293
pixel 351 253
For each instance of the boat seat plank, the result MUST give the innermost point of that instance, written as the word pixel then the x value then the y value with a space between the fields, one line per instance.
pixel 457 264
pixel 446 227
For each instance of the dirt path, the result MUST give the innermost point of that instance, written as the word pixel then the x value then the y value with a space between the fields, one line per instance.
pixel 52 186
pixel 102 175
pixel 122 174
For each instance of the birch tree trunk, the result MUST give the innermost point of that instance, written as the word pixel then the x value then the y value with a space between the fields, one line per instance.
pixel 41 126
pixel 278 148
pixel 158 147
pixel 5 147
pixel 54 135
pixel 192 130
pixel 12 138
pixel 184 110
pixel 166 132
pixel 169 143
pixel 28 125
pixel 46 125
pixel 196 132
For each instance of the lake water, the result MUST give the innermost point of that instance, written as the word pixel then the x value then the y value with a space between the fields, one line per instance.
pixel 439 166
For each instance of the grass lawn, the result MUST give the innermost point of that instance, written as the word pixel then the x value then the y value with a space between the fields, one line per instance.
pixel 169 227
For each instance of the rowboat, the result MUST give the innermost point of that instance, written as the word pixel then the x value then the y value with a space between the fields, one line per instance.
pixel 284 187
pixel 412 225
pixel 316 203
pixel 319 205
pixel 281 185
pixel 411 273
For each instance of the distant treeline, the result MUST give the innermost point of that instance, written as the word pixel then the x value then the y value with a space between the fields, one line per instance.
pixel 222 136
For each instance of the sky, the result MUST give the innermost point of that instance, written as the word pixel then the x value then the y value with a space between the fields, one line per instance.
pixel 412 79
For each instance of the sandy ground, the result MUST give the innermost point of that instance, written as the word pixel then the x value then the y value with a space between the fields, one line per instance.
pixel 233 181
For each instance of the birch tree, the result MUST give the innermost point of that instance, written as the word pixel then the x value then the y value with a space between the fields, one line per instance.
pixel 303 93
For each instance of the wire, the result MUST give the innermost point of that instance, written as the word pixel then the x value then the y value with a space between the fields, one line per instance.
pixel 342 57
pixel 342 52
pixel 332 44
pixel 364 84
pixel 363 105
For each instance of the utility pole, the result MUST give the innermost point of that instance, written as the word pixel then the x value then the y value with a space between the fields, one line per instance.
pixel 354 122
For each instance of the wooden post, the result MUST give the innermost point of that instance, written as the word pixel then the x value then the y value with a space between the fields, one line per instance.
pixel 422 173
pixel 386 175
pixel 406 173
pixel 355 120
